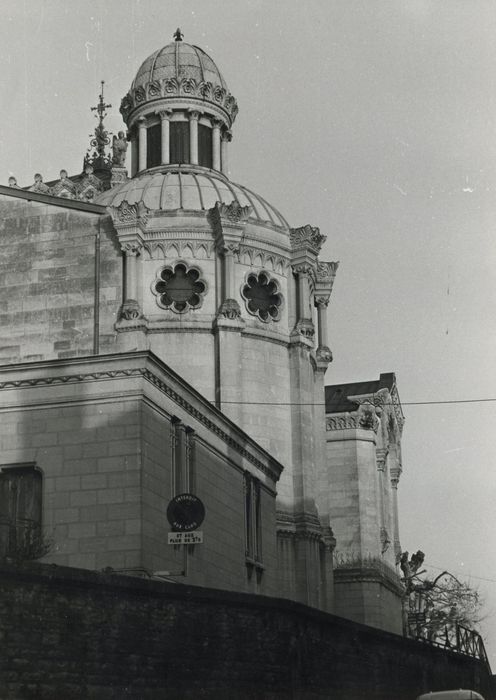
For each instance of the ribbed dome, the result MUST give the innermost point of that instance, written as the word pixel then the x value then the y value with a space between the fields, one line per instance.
pixel 182 188
pixel 179 60
pixel 179 70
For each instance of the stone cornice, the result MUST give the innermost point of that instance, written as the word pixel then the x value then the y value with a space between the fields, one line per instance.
pixel 147 366
pixel 53 201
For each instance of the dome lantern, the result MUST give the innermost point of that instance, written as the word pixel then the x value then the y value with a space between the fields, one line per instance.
pixel 179 110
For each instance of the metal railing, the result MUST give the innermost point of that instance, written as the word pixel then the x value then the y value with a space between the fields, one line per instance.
pixel 454 638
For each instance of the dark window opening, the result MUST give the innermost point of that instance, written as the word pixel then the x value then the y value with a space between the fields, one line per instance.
pixel 153 146
pixel 21 536
pixel 205 146
pixel 179 142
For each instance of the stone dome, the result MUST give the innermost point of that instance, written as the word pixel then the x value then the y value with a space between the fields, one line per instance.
pixel 179 70
pixel 184 188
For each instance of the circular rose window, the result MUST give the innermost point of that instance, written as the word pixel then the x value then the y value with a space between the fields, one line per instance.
pixel 262 296
pixel 179 288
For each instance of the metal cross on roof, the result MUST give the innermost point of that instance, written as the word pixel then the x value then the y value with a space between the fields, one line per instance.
pixel 101 106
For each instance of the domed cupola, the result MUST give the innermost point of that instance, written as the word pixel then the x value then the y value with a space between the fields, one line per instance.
pixel 179 110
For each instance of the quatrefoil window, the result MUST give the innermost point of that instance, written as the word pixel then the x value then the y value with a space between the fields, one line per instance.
pixel 179 288
pixel 262 296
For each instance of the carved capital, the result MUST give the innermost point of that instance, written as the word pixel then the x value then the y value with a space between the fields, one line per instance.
pixel 227 135
pixel 217 123
pixel 131 248
pixel 381 456
pixel 230 247
pixel 307 238
pixel 305 328
pixel 229 309
pixel 194 114
pixel 321 301
pixel 326 271
pixel 323 354
pixel 130 310
pixel 163 114
pixel 302 269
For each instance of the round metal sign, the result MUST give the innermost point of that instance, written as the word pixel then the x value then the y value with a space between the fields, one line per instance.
pixel 185 512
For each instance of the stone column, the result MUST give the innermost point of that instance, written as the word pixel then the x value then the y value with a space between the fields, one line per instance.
pixel 381 456
pixel 304 324
pixel 134 153
pixel 224 147
pixel 193 137
pixel 130 309
pixel 142 144
pixel 229 250
pixel 395 477
pixel 216 124
pixel 165 135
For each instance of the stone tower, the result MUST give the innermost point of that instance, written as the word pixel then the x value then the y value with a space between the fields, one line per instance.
pixel 222 289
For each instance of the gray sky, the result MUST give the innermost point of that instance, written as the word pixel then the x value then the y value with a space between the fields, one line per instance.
pixel 372 119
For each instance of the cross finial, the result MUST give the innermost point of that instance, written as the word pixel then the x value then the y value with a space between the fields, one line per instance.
pixel 101 106
pixel 178 35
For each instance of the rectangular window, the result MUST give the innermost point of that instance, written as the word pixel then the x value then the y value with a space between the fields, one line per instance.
pixel 205 146
pixel 153 146
pixel 20 512
pixel 179 142
pixel 253 519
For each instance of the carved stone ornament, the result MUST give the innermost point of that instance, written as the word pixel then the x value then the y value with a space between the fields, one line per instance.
pixel 39 186
pixel 262 296
pixel 385 540
pixel 323 354
pixel 305 328
pixel 118 177
pixel 179 288
pixel 130 310
pixel 187 87
pixel 229 309
pixel 322 301
pixel 130 214
pixel 307 238
pixel 233 212
pixel 367 417
pixel 326 271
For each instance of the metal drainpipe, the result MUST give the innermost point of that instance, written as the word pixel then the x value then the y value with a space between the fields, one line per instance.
pixel 96 310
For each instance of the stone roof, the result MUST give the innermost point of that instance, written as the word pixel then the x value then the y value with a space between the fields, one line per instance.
pixel 193 189
pixel 336 395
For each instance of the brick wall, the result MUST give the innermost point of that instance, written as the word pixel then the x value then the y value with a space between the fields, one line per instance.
pixel 71 634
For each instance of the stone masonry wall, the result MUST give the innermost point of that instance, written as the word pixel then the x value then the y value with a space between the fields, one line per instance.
pixel 47 282
pixel 71 634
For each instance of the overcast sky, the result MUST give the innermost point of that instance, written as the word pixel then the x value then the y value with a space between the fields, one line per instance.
pixel 372 119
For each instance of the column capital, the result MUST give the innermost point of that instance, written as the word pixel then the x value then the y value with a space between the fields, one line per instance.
pixel 302 269
pixel 321 301
pixel 194 114
pixel 131 248
pixel 227 135
pixel 164 113
pixel 217 123
pixel 141 122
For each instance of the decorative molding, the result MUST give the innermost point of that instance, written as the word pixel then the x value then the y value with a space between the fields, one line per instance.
pixel 165 294
pixel 163 387
pixel 322 301
pixel 303 525
pixel 248 256
pixel 171 87
pixel 179 248
pixel 306 238
pixel 303 269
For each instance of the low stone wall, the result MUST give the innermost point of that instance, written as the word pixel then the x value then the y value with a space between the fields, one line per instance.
pixel 67 634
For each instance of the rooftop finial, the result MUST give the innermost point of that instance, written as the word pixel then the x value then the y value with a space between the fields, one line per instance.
pixel 101 137
pixel 178 35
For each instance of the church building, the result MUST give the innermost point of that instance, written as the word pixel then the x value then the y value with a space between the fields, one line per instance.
pixel 164 332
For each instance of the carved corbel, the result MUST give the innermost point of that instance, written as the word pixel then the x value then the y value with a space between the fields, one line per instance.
pixel 306 238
